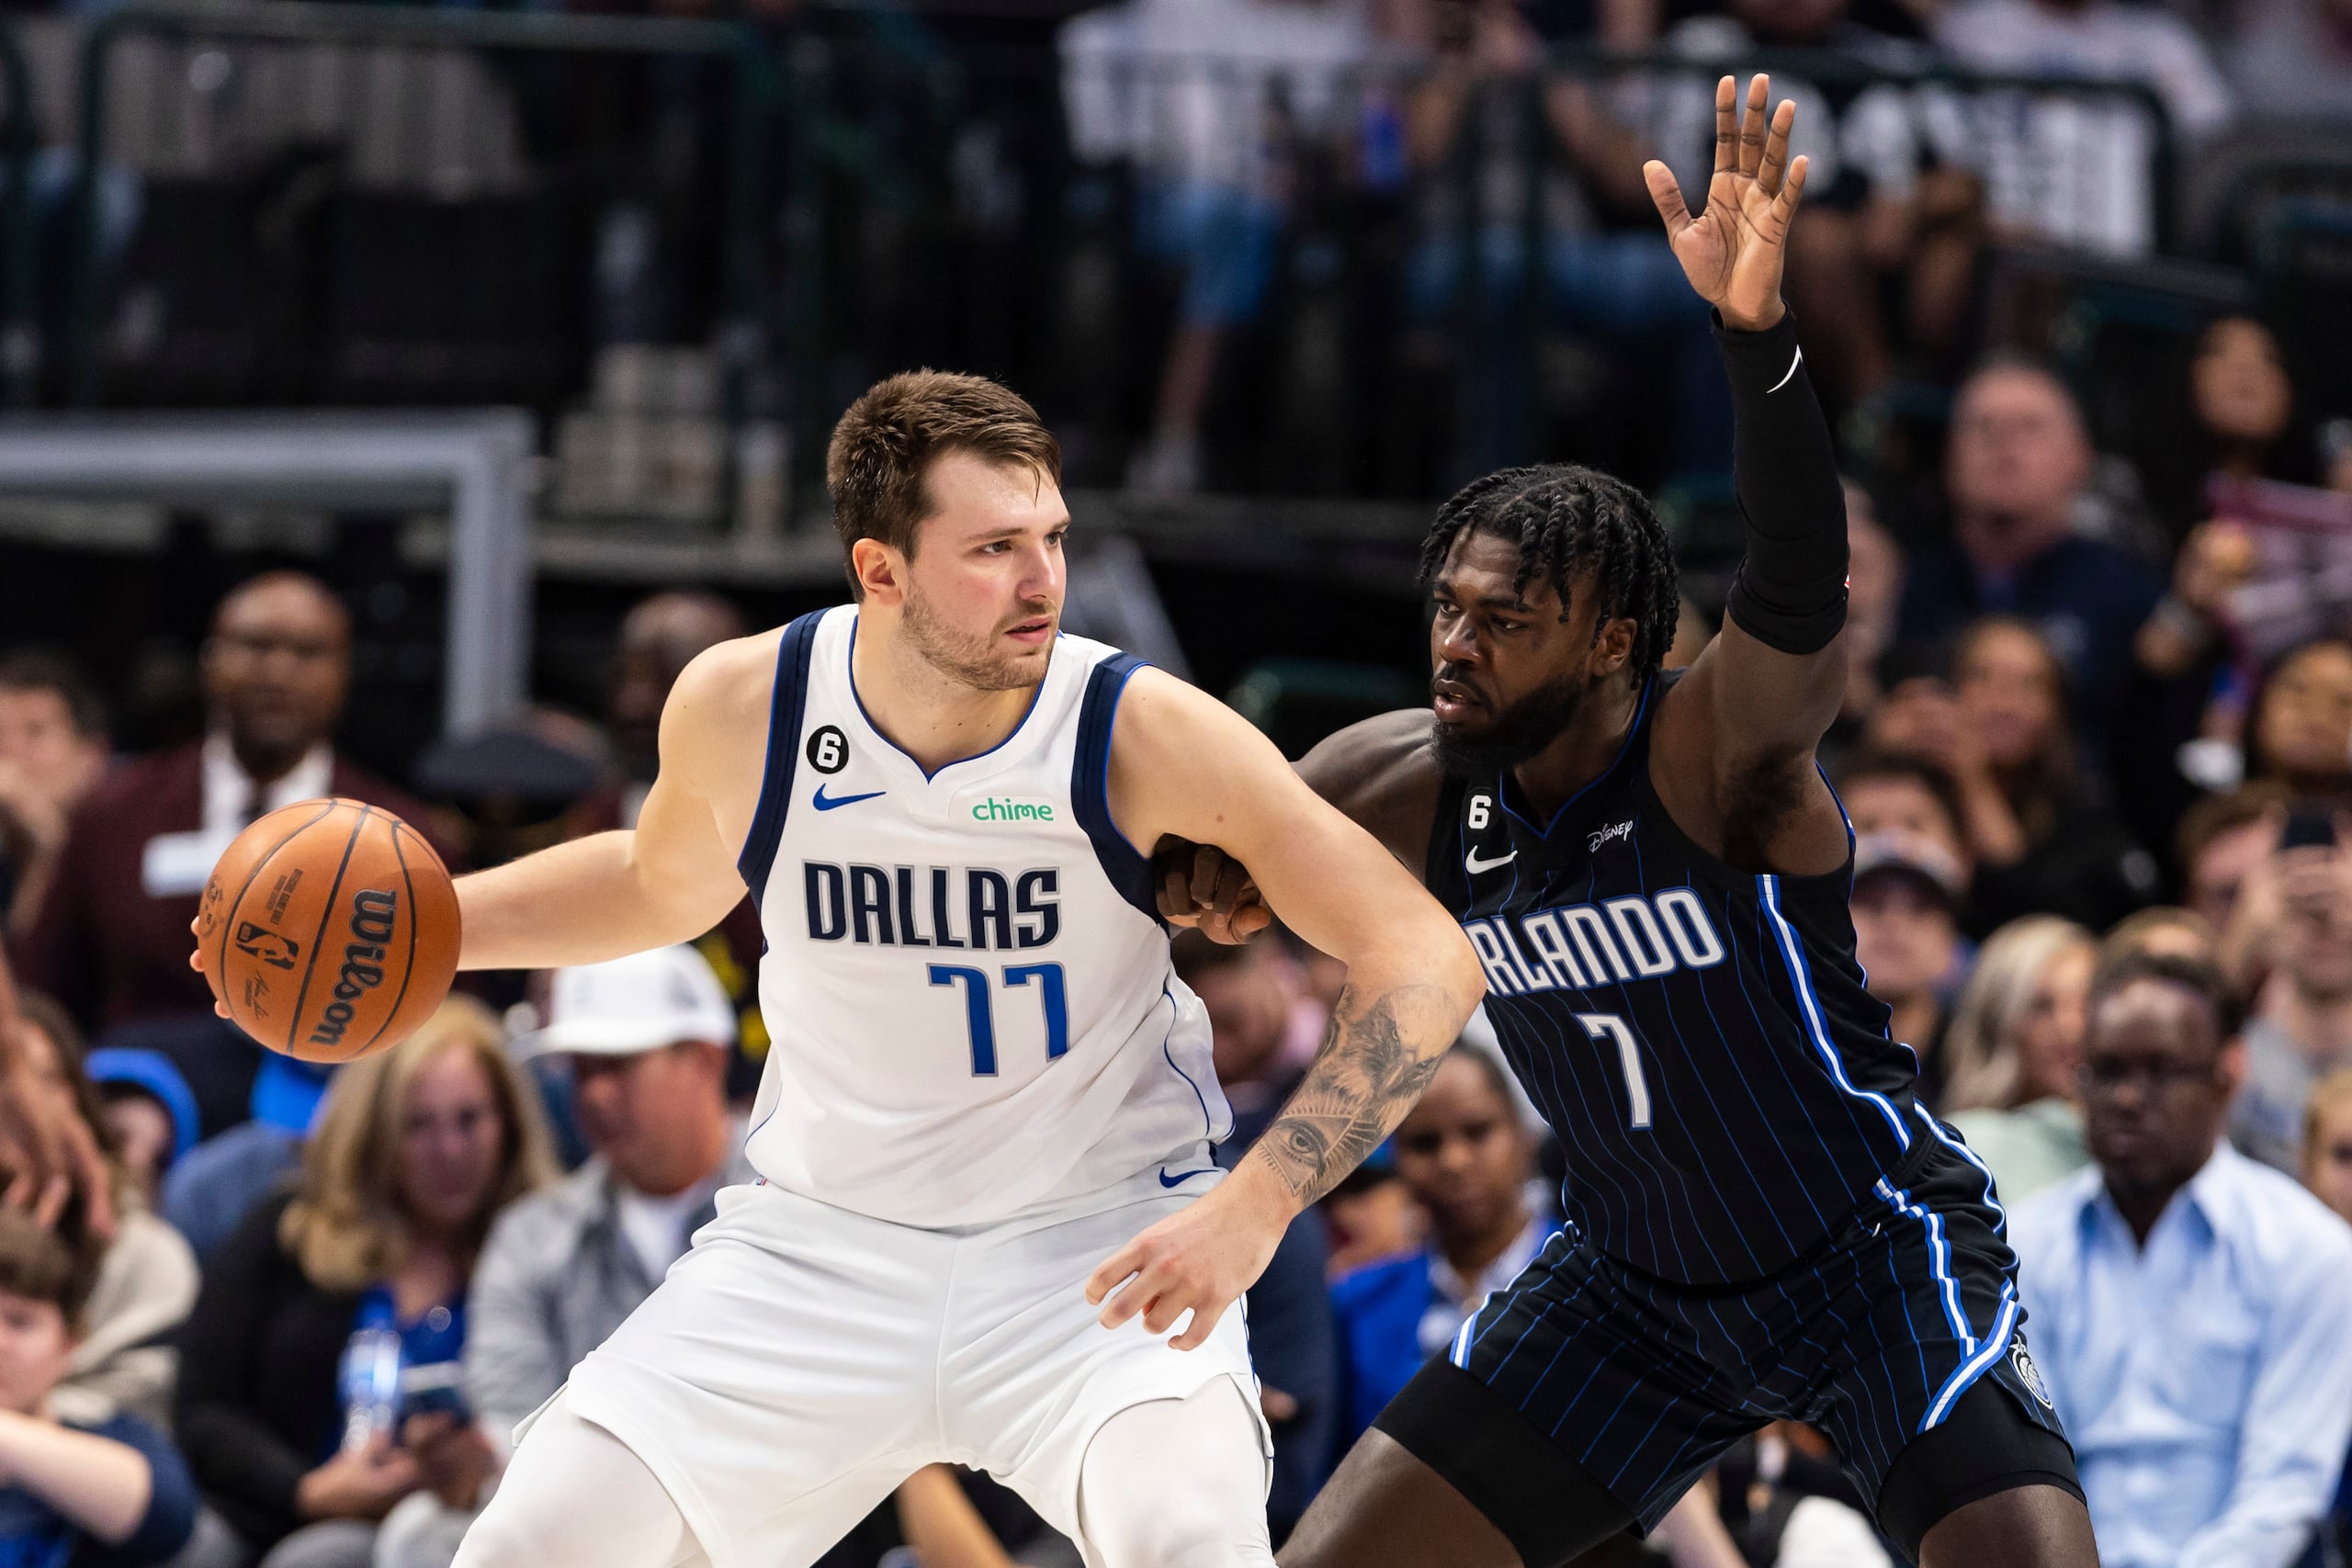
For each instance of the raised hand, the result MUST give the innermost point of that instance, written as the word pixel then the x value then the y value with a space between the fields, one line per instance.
pixel 1733 251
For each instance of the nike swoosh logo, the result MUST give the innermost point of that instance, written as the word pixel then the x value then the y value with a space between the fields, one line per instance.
pixel 1474 865
pixel 1792 370
pixel 840 800
pixel 1168 1180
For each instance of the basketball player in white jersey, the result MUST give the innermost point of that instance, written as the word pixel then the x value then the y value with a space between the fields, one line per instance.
pixel 984 1127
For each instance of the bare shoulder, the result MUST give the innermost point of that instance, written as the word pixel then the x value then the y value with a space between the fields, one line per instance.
pixel 1383 772
pixel 715 723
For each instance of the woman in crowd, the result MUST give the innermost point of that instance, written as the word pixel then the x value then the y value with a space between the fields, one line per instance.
pixel 2043 840
pixel 146 1279
pixel 2327 1141
pixel 2300 729
pixel 1467 1158
pixel 2014 1049
pixel 418 1149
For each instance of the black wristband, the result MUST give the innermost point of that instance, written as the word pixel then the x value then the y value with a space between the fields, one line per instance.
pixel 1790 590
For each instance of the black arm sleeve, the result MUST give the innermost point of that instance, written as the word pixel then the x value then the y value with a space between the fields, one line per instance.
pixel 1790 590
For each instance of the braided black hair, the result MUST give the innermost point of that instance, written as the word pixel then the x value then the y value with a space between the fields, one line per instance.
pixel 1567 518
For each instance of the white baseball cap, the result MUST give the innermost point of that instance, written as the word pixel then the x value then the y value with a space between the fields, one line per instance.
pixel 629 1005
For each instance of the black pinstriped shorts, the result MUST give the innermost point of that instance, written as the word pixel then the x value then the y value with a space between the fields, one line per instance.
pixel 1873 1336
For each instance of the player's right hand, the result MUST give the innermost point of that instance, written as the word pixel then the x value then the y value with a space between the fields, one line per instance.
pixel 1198 1259
pixel 1202 887
pixel 196 962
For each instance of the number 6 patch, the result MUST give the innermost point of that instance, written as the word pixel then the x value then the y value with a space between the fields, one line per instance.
pixel 828 749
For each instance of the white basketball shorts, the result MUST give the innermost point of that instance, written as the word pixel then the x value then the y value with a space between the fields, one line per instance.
pixel 800 1360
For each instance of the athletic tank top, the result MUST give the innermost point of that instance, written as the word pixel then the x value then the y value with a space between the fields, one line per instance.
pixel 967 987
pixel 1699 1038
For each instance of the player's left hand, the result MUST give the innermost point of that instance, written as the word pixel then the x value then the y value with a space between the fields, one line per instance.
pixel 1198 1259
pixel 1732 252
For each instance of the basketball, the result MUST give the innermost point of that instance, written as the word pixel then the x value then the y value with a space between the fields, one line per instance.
pixel 329 930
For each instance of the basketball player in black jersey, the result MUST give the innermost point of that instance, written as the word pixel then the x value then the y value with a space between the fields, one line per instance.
pixel 1762 1221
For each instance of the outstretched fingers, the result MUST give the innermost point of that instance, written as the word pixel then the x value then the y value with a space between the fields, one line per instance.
pixel 1753 124
pixel 1726 126
pixel 1774 169
pixel 1784 205
pixel 1669 197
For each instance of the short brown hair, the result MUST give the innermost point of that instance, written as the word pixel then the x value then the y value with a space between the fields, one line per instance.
pixel 42 1266
pixel 884 447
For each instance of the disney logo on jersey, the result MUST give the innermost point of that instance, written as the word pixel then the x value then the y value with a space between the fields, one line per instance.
pixel 1580 946
pixel 974 906
pixel 1614 830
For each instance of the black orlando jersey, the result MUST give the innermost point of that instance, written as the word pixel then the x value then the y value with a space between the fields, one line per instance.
pixel 1699 1038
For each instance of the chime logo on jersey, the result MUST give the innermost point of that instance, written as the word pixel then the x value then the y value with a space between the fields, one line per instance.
pixel 1579 946
pixel 908 906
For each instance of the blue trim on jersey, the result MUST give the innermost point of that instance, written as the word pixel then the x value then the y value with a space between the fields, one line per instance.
pixel 1090 782
pixel 1996 1344
pixel 1502 783
pixel 850 668
pixel 2000 1215
pixel 1209 1122
pixel 1792 952
pixel 1939 1263
pixel 785 709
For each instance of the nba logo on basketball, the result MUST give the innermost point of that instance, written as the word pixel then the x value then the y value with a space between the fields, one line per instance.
pixel 261 942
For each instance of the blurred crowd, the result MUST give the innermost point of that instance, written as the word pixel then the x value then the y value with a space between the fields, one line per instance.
pixel 2096 749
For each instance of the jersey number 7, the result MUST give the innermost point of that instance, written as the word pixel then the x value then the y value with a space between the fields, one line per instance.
pixel 981 1016
pixel 1609 1026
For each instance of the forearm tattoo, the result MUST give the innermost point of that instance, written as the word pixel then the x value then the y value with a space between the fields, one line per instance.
pixel 1364 1077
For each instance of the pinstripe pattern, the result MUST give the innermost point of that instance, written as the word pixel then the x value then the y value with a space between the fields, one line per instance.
pixel 1872 1335
pixel 1789 1235
pixel 1776 1101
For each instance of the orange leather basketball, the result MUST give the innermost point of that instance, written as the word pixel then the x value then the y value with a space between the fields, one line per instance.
pixel 329 930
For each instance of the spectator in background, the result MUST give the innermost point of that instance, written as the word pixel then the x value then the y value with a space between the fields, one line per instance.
pixel 146 1279
pixel 2066 168
pixel 1907 937
pixel 1903 793
pixel 2222 839
pixel 52 752
pixel 2043 841
pixel 150 1114
pixel 2241 397
pixel 1873 602
pixel 2294 59
pixel 647 1038
pixel 659 637
pixel 420 1147
pixel 2299 730
pixel 2014 1052
pixel 1468 1159
pixel 1371 1216
pixel 2192 1310
pixel 2163 930
pixel 1256 1004
pixel 2017 472
pixel 1232 89
pixel 110 939
pixel 2296 908
pixel 82 1485
pixel 2327 1142
pixel 1467 137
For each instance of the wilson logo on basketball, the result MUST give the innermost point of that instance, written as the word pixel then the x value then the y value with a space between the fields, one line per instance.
pixel 372 917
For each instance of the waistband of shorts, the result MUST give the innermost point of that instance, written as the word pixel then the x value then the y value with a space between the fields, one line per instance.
pixel 1841 1233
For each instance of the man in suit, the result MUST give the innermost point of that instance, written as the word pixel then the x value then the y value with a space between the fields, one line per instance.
pixel 111 938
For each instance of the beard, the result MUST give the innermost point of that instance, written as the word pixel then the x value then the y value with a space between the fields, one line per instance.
pixel 974 661
pixel 1512 736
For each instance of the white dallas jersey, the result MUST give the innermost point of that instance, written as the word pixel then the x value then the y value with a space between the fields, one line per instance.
pixel 966 989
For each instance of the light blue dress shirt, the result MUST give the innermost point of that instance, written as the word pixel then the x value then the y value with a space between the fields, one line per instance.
pixel 2206 1379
